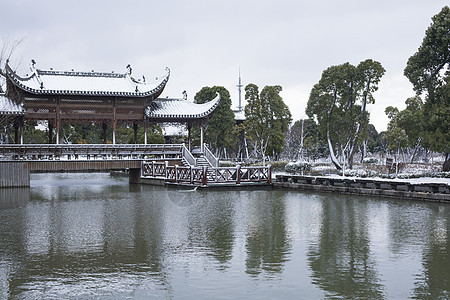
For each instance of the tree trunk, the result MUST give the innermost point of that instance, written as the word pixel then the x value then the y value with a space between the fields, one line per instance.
pixel 446 166
pixel 334 160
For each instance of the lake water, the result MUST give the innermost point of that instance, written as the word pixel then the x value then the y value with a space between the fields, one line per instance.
pixel 92 236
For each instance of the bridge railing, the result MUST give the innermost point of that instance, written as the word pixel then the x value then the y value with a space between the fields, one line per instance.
pixel 213 161
pixel 53 151
pixel 188 156
pixel 205 175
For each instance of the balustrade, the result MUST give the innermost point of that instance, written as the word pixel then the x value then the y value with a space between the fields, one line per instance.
pixel 205 175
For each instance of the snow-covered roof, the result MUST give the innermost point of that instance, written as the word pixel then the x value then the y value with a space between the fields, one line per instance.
pixel 180 109
pixel 9 107
pixel 87 83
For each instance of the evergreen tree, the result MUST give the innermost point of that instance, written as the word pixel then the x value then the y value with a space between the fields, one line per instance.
pixel 427 70
pixel 338 102
pixel 267 119
pixel 406 128
pixel 219 132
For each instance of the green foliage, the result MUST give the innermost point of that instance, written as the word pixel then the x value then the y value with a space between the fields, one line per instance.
pixel 93 134
pixel 428 71
pixel 267 119
pixel 406 128
pixel 423 68
pixel 155 135
pixel 125 135
pixel 31 135
pixel 312 143
pixel 82 133
pixel 338 104
pixel 298 167
pixel 373 139
pixel 219 132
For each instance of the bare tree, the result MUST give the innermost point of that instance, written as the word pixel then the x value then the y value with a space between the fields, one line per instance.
pixel 7 49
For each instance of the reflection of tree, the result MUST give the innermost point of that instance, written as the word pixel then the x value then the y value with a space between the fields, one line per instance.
pixel 211 225
pixel 434 282
pixel 102 235
pixel 267 238
pixel 340 261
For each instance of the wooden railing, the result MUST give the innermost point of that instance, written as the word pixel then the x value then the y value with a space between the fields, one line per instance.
pixel 101 151
pixel 205 175
pixel 87 151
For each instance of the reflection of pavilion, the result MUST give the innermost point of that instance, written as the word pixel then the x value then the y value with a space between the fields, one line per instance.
pixel 68 97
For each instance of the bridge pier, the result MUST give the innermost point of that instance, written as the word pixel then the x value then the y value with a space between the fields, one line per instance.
pixel 134 175
pixel 14 174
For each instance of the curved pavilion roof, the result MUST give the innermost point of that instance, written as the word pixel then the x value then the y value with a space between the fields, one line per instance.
pixel 173 110
pixel 9 109
pixel 87 83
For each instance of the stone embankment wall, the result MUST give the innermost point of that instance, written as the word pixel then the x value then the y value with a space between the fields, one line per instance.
pixel 366 187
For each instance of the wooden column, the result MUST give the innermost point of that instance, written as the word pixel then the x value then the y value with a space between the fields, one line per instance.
pixel 114 122
pixel 50 132
pixel 105 127
pixel 16 132
pixel 135 128
pixel 58 120
pixel 22 125
pixel 189 136
pixel 201 137
pixel 145 129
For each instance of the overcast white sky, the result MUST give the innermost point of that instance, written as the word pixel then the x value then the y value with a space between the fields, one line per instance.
pixel 204 43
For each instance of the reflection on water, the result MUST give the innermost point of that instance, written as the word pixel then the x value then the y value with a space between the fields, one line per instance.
pixel 92 235
pixel 14 197
pixel 340 261
pixel 267 238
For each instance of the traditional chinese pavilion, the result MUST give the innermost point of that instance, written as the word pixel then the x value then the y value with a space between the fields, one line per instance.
pixel 67 97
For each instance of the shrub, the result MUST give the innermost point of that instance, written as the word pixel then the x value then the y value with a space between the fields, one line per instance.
pixel 298 167
pixel 370 160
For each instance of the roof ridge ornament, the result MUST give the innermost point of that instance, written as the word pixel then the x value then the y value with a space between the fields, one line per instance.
pixel 36 73
pixel 32 65
pixel 129 69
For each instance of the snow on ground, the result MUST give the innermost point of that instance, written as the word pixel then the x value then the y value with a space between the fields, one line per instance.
pixel 416 173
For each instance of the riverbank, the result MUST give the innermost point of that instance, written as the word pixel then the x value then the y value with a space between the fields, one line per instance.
pixel 414 189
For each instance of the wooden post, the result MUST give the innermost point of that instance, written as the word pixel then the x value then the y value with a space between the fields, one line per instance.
pixel 105 127
pixel 166 164
pixel 114 122
pixel 135 128
pixel 16 133
pixel 50 132
pixel 145 129
pixel 201 138
pixel 58 120
pixel 176 173
pixel 22 125
pixel 238 174
pixel 58 126
pixel 270 174
pixel 189 136
pixel 204 177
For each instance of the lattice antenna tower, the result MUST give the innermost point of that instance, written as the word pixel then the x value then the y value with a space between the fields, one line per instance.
pixel 239 86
